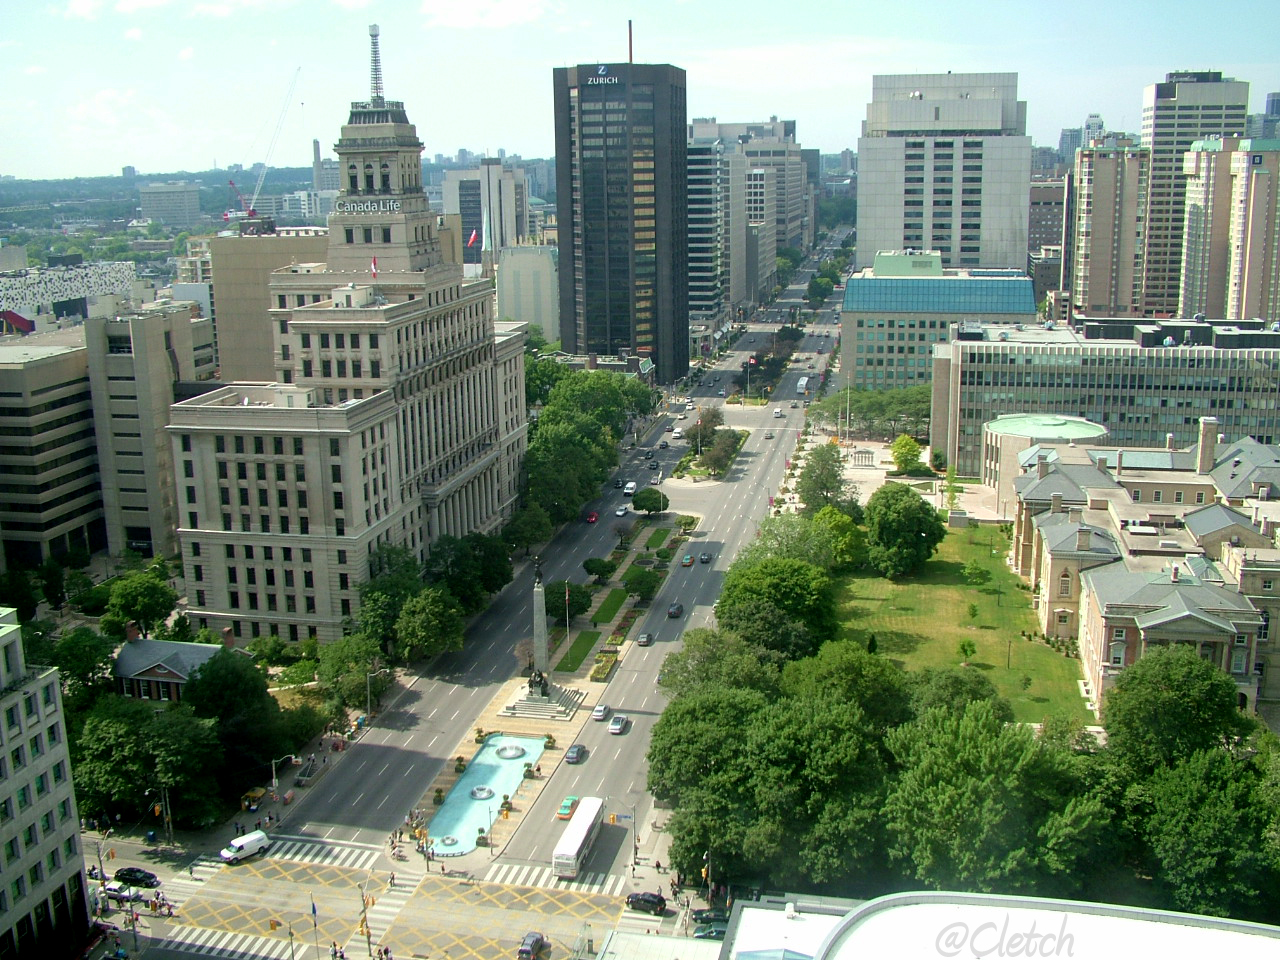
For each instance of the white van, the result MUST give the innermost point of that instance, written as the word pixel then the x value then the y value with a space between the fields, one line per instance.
pixel 777 412
pixel 630 489
pixel 678 434
pixel 255 841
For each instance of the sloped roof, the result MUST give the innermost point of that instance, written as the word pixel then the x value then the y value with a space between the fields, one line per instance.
pixel 1059 533
pixel 1147 459
pixel 1179 607
pixel 1214 517
pixel 1069 479
pixel 179 658
pixel 1166 599
pixel 1246 463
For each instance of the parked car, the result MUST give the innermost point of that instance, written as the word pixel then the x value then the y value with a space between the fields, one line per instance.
pixel 675 610
pixel 600 712
pixel 644 640
pixel 654 903
pixel 592 517
pixel 619 723
pixel 137 877
pixel 687 560
pixel 575 754
pixel 710 931
pixel 567 807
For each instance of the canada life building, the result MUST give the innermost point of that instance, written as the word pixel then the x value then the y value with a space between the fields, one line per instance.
pixel 396 416
pixel 621 188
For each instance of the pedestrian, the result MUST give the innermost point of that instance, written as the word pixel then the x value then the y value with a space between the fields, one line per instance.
pixel 258 825
pixel 657 865
pixel 393 879
pixel 192 871
pixel 333 950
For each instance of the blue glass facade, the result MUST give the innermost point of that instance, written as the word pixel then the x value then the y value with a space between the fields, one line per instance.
pixel 934 295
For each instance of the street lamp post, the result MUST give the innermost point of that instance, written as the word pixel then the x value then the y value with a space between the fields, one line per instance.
pixel 275 783
pixel 635 837
pixel 368 693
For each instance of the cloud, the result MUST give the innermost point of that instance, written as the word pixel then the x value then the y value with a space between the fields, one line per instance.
pixel 186 53
pixel 82 9
pixel 133 33
pixel 228 8
pixel 351 4
pixel 489 14
pixel 35 70
pixel 133 6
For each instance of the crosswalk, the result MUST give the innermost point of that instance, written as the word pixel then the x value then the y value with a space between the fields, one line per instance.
pixel 206 942
pixel 355 856
pixel 532 875
pixel 388 904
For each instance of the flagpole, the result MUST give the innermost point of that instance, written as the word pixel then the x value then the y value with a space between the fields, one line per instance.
pixel 315 926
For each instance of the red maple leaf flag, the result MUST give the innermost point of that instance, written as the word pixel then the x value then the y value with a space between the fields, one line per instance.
pixel 472 239
pixel 752 361
pixel 375 268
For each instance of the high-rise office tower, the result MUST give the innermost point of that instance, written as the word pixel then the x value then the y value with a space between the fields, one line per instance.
pixel 708 267
pixel 493 204
pixel 1108 207
pixel 622 205
pixel 1188 106
pixel 1232 233
pixel 944 164
pixel 396 416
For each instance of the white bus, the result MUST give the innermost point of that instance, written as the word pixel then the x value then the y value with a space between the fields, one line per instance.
pixel 575 842
pixel 802 387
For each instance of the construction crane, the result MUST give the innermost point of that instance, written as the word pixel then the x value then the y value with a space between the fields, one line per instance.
pixel 248 207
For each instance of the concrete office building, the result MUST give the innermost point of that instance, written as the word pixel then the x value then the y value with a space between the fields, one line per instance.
pixel 136 362
pixel 1108 214
pixel 529 288
pixel 43 904
pixel 1232 233
pixel 751 232
pixel 894 313
pixel 325 174
pixel 1047 206
pixel 708 250
pixel 1142 381
pixel 175 204
pixel 944 164
pixel 396 416
pixel 52 502
pixel 493 203
pixel 241 266
pixel 1188 106
pixel 622 203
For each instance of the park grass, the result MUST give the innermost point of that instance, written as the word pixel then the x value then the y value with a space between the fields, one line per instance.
pixel 657 538
pixel 919 621
pixel 582 645
pixel 610 607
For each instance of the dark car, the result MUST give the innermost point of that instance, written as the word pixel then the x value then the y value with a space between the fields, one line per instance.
pixel 644 640
pixel 654 465
pixel 654 903
pixel 704 558
pixel 575 754
pixel 617 484
pixel 710 915
pixel 710 931
pixel 675 610
pixel 137 877
pixel 648 454
pixel 663 445
pixel 531 946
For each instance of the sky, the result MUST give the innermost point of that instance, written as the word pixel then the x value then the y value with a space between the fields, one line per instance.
pixel 168 85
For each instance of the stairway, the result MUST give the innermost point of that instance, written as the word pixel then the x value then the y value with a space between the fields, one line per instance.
pixel 561 704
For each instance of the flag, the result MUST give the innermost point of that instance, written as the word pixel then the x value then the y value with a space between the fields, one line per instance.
pixel 566 591
pixel 472 238
pixel 314 919
pixel 752 361
pixel 374 267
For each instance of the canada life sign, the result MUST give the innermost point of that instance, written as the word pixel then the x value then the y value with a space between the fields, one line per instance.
pixel 366 206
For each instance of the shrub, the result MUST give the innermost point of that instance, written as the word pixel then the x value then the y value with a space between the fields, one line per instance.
pixel 300 672
pixel 93 602
pixel 604 666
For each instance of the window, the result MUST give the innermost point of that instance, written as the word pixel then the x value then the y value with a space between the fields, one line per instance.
pixel 1116 654
pixel 1137 496
pixel 36 744
pixel 297 446
pixel 1117 634
pixel 1177 496
pixel 336 473
pixel 1239 660
pixel 1200 497
pixel 1157 496
pixel 18 757
pixel 1268 584
pixel 1064 618
pixel 1064 584
pixel 1241 639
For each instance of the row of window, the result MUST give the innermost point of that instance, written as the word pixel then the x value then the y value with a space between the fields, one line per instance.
pixel 35 875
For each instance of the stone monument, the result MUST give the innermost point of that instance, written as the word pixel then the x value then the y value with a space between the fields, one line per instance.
pixel 541 645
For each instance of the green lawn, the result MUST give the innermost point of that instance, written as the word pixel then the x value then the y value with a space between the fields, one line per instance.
pixel 919 622
pixel 657 538
pixel 583 644
pixel 610 607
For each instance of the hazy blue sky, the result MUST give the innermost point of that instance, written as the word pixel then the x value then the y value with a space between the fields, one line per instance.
pixel 165 85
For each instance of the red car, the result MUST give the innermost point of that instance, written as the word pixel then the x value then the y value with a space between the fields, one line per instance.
pixel 592 517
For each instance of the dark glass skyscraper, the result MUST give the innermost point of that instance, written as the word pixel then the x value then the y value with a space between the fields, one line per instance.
pixel 621 202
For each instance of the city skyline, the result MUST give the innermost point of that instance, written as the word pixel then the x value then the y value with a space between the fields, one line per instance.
pixel 101 84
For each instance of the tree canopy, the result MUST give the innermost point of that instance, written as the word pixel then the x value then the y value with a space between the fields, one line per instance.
pixel 651 500
pixel 799 590
pixel 903 531
pixel 822 482
pixel 429 623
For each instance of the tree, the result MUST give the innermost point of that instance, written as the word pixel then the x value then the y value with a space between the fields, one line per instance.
pixel 395 576
pixel 17 591
pixel 761 623
pixel 600 567
pixel 344 668
pixel 541 374
pixel 818 290
pixel 1169 705
pixel 38 644
pixel 822 482
pixel 529 526
pixel 843 670
pixel 1207 831
pixel 229 688
pixel 651 500
pixel 112 759
pixel 715 659
pixel 903 531
pixel 951 486
pixel 848 540
pixel 53 582
pixel 642 582
pixel 967 648
pixel 976 574
pixel 953 690
pixel 794 536
pixel 492 559
pixel 577 603
pixel 906 453
pixel 84 660
pixel 140 597
pixel 185 757
pixel 429 623
pixel 982 805
pixel 723 447
pixel 689 752
pixel 800 590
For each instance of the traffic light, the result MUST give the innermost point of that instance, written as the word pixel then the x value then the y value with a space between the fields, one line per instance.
pixel 613 818
pixel 274 924
pixel 704 873
pixel 111 854
pixel 506 814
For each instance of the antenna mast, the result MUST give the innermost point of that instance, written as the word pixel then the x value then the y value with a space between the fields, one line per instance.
pixel 375 64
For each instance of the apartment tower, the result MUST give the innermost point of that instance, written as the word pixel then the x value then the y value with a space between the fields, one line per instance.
pixel 1108 213
pixel 1188 106
pixel 622 194
pixel 944 163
